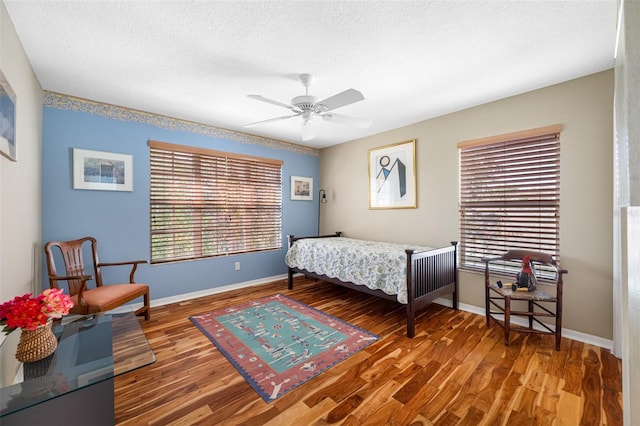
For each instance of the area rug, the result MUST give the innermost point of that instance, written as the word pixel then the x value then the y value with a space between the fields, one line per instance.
pixel 278 343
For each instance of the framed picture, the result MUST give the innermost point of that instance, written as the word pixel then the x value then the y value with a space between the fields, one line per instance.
pixel 7 120
pixel 301 188
pixel 392 176
pixel 106 171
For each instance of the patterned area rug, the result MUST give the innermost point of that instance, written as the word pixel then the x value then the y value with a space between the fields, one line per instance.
pixel 278 343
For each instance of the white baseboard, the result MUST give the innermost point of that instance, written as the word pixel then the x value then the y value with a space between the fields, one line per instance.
pixel 571 334
pixel 215 290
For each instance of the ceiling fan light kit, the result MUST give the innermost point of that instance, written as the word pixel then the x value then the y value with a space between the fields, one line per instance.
pixel 308 107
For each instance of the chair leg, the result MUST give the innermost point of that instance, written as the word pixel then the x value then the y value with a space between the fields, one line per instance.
pixel 530 316
pixel 507 319
pixel 147 305
pixel 487 307
pixel 558 326
pixel 145 309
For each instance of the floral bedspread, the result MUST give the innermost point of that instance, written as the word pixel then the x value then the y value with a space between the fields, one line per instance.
pixel 377 265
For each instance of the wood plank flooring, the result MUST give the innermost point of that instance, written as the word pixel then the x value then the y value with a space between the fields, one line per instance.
pixel 456 371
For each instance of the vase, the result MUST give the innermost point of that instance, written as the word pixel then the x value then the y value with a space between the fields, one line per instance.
pixel 37 344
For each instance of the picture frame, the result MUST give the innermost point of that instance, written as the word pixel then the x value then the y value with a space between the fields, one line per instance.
pixel 392 176
pixel 7 120
pixel 104 171
pixel 301 188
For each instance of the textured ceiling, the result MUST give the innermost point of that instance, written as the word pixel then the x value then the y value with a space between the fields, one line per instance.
pixel 412 60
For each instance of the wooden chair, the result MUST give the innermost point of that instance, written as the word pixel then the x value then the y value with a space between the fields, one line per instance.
pixel 539 303
pixel 100 297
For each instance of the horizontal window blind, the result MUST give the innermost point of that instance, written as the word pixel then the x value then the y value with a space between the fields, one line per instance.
pixel 206 203
pixel 510 198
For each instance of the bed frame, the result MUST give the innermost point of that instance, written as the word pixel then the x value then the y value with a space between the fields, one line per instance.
pixel 430 274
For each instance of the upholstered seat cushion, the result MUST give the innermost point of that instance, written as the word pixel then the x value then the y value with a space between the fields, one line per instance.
pixel 110 296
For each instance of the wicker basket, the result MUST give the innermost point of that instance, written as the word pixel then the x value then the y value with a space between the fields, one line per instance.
pixel 37 344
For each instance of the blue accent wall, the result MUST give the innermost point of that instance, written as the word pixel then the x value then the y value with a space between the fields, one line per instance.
pixel 120 220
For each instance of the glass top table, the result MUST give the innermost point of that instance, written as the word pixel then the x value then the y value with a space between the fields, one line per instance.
pixel 90 350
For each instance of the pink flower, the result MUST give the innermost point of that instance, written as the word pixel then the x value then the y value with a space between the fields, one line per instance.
pixel 55 303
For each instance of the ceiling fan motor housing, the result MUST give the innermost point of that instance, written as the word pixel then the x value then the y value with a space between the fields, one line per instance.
pixel 304 102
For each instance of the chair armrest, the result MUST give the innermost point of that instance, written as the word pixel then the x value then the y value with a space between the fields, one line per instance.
pixel 134 265
pixel 131 262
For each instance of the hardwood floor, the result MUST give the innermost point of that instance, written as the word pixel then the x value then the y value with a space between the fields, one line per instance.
pixel 455 371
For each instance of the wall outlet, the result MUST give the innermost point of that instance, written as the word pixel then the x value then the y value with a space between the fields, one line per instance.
pixel 237 266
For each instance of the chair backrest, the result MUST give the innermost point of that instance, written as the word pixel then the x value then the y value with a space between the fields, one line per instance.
pixel 534 256
pixel 74 265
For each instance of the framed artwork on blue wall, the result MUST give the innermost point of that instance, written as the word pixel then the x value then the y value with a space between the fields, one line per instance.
pixel 7 119
pixel 105 171
pixel 301 188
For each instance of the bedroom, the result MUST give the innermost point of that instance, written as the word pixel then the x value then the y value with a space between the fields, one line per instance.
pixel 584 106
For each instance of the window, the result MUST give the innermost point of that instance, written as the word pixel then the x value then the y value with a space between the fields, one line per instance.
pixel 206 203
pixel 510 196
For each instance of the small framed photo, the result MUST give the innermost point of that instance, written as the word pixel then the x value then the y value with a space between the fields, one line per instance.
pixel 301 188
pixel 392 176
pixel 106 171
pixel 7 119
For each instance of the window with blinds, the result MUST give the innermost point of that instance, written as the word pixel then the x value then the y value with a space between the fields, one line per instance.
pixel 206 203
pixel 510 196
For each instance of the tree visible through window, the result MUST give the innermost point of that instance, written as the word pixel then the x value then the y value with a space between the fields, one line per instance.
pixel 510 196
pixel 206 203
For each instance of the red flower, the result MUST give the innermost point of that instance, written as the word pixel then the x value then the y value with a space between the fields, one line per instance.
pixel 31 312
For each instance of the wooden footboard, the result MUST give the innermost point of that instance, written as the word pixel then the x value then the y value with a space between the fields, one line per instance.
pixel 430 274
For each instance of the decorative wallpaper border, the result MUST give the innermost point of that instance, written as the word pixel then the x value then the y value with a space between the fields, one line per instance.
pixel 65 102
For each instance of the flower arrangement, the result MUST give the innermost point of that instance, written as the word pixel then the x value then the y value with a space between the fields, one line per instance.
pixel 28 313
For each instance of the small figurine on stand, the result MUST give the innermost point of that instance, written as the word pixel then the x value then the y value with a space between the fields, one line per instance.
pixel 526 278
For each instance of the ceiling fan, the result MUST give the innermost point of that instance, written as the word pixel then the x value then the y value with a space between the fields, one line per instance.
pixel 308 107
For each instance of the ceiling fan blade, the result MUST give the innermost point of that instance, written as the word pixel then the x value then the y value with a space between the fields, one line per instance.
pixel 270 101
pixel 307 131
pixel 361 123
pixel 341 99
pixel 271 120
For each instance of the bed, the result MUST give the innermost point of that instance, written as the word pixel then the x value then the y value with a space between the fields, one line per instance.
pixel 407 274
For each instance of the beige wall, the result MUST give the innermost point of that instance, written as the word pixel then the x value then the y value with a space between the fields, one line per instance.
pixel 20 181
pixel 585 109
